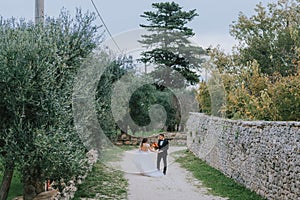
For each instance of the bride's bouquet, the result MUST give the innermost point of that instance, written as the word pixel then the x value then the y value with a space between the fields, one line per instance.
pixel 154 145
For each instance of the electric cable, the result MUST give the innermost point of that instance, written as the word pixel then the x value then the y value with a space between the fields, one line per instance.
pixel 106 26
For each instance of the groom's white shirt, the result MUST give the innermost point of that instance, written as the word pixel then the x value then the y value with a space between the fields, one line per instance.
pixel 161 142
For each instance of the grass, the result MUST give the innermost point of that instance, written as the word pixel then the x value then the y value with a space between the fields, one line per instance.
pixel 114 153
pixel 103 183
pixel 220 184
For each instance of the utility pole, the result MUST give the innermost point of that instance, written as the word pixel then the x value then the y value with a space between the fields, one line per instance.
pixel 39 11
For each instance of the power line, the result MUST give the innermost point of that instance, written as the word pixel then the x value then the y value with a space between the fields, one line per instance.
pixel 106 26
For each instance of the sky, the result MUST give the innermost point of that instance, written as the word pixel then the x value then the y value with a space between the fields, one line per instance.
pixel 122 18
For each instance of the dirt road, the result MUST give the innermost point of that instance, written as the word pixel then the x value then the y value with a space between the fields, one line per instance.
pixel 178 184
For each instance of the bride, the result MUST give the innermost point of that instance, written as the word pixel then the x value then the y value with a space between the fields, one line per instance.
pixel 145 160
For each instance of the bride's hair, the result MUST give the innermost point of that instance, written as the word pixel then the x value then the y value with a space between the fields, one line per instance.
pixel 144 141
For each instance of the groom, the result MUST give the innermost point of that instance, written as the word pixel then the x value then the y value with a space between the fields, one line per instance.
pixel 163 146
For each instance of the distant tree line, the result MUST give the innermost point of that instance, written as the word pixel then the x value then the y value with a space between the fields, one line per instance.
pixel 261 77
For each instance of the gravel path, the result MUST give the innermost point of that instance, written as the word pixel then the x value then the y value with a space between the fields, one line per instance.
pixel 178 184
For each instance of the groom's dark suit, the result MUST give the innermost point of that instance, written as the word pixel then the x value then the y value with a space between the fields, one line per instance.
pixel 163 146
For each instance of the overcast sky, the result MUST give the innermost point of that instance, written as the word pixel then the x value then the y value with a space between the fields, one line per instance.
pixel 211 27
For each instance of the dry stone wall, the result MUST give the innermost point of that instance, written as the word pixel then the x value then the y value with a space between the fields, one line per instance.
pixel 175 138
pixel 263 156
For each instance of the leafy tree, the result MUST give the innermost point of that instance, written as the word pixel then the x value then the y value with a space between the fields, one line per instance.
pixel 258 97
pixel 177 62
pixel 140 103
pixel 285 95
pixel 37 68
pixel 203 98
pixel 271 37
pixel 132 104
pixel 146 96
pixel 261 74
pixel 169 46
pixel 111 75
pixel 252 95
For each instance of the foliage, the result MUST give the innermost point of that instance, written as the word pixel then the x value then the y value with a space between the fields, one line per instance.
pixel 271 37
pixel 247 97
pixel 37 67
pixel 169 45
pixel 115 70
pixel 261 77
pixel 143 99
pixel 203 98
pixel 176 60
pixel 254 96
pixel 140 102
pixel 285 94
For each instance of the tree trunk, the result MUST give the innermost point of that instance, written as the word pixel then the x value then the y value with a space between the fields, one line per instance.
pixel 181 129
pixel 33 181
pixel 6 181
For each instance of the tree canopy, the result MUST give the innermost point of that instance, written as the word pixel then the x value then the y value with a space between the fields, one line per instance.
pixel 168 45
pixel 38 64
pixel 271 37
pixel 261 76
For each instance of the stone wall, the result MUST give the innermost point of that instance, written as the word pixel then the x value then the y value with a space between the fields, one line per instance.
pixel 263 156
pixel 175 138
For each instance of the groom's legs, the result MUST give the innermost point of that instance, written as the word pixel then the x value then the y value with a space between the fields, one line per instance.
pixel 165 164
pixel 165 160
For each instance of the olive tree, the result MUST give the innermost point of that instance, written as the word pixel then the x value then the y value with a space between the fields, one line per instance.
pixel 37 68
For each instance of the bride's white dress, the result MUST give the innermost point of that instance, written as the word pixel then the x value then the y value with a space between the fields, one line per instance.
pixel 145 162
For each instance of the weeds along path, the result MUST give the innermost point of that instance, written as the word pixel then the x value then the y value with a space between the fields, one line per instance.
pixel 178 184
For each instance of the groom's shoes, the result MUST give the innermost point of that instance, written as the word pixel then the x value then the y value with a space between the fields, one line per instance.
pixel 165 171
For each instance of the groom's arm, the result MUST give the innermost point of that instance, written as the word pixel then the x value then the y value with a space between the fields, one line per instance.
pixel 167 144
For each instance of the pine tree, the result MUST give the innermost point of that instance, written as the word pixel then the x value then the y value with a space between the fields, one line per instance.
pixel 169 47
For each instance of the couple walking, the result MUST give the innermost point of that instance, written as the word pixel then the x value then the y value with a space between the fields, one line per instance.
pixel 145 162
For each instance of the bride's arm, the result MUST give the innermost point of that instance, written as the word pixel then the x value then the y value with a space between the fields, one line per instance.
pixel 140 147
pixel 151 149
